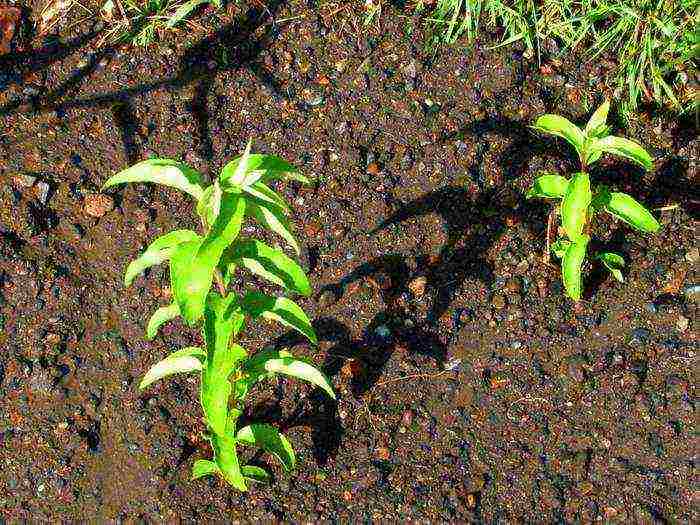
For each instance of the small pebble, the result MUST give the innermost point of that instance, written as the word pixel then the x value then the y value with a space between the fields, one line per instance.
pixel 682 323
pixel 42 192
pixel 693 255
pixel 97 204
pixel 417 286
pixel 498 302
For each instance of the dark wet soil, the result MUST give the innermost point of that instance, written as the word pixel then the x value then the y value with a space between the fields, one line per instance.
pixel 469 388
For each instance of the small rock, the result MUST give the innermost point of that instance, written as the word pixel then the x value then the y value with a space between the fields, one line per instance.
pixel 97 204
pixel 693 255
pixel 513 286
pixel 639 336
pixel 407 418
pixel 682 323
pixel 23 180
pixel 373 169
pixel 417 286
pixel 9 20
pixel 499 380
pixel 454 363
pixel 41 191
pixel 382 453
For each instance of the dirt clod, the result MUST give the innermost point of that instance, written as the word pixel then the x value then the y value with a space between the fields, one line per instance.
pixel 97 204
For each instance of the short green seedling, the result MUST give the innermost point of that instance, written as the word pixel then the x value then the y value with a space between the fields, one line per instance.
pixel 579 203
pixel 197 261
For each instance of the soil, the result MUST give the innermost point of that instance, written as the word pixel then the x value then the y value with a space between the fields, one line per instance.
pixel 469 388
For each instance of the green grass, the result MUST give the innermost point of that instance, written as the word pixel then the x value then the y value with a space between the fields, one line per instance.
pixel 656 41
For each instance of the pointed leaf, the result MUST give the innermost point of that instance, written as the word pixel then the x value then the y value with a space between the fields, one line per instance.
pixel 265 193
pixel 280 309
pixel 273 218
pixel 157 252
pixel 209 205
pixel 269 439
pixel 625 148
pixel 571 267
pixel 204 467
pixel 596 124
pixel 161 171
pixel 192 273
pixel 159 318
pixel 183 11
pixel 548 186
pixel 614 263
pixel 234 173
pixel 257 474
pixel 559 247
pixel 221 317
pixel 188 359
pixel 273 361
pixel 561 127
pixel 626 208
pixel 225 454
pixel 268 263
pixel 574 206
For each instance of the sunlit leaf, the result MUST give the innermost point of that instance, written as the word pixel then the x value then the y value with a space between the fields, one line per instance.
pixel 209 205
pixel 265 193
pixel 204 467
pixel 627 209
pixel 280 309
pixel 235 173
pixel 625 148
pixel 561 127
pixel 192 274
pixel 548 186
pixel 157 252
pixel 161 171
pixel 271 361
pixel 269 263
pixel 221 317
pixel 571 266
pixel 258 167
pixel 614 263
pixel 159 318
pixel 183 11
pixel 596 124
pixel 574 206
pixel 269 439
pixel 188 359
pixel 273 218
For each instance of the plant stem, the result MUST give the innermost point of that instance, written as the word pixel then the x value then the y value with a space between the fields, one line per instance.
pixel 219 279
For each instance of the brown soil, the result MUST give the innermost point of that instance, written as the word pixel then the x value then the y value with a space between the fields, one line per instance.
pixel 469 388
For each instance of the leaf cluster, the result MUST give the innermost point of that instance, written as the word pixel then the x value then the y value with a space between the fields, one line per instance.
pixel 200 260
pixel 579 203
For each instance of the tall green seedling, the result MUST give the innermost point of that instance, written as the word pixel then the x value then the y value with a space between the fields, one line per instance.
pixel 203 265
pixel 579 202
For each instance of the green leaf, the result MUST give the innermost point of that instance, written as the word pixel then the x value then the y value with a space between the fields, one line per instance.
pixel 159 318
pixel 242 171
pixel 624 148
pixel 561 127
pixel 280 309
pixel 234 174
pixel 548 186
pixel 204 467
pixel 192 274
pixel 257 474
pixel 264 193
pixel 161 171
pixel 183 11
pixel 271 361
pixel 270 440
pixel 571 267
pixel 221 318
pixel 268 263
pixel 574 206
pixel 188 359
pixel 225 455
pixel 273 218
pixel 626 208
pixel 209 205
pixel 559 247
pixel 596 124
pixel 614 263
pixel 157 252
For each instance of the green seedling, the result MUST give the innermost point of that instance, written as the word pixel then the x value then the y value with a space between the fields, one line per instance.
pixel 580 203
pixel 198 261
